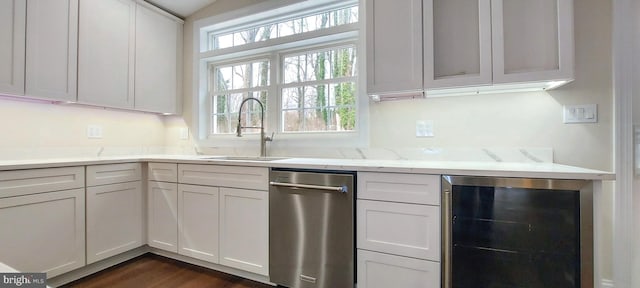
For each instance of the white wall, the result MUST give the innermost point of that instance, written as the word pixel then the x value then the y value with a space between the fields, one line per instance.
pixel 36 129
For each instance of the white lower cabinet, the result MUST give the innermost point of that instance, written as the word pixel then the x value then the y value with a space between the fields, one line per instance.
pixel 48 227
pixel 244 229
pixel 397 228
pixel 162 217
pixel 114 219
pixel 378 270
pixel 198 222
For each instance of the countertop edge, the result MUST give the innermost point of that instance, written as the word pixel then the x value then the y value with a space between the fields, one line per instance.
pixel 519 170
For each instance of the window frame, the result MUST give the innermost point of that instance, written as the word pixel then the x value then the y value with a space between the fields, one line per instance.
pixel 332 37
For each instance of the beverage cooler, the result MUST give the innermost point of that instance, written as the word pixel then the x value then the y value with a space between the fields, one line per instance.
pixel 514 232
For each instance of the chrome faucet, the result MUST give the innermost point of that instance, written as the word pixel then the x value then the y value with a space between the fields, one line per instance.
pixel 263 138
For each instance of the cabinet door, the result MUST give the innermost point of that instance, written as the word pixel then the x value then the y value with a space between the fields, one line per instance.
pixel 114 220
pixel 457 43
pixel 43 232
pixel 52 49
pixel 106 53
pixel 163 216
pixel 13 15
pixel 158 48
pixel 244 230
pixel 377 270
pixel 394 46
pixel 400 229
pixel 198 222
pixel 532 40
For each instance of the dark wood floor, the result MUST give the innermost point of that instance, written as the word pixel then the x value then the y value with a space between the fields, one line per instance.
pixel 156 271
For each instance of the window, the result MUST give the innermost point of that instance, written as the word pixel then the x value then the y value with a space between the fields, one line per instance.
pixel 283 28
pixel 302 64
pixel 231 85
pixel 318 91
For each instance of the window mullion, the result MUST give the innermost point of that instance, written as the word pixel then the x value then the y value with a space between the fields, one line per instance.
pixel 273 95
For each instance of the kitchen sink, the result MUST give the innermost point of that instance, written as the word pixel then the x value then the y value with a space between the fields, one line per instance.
pixel 243 158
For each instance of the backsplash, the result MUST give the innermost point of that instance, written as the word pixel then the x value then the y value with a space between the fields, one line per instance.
pixel 541 155
pixel 35 153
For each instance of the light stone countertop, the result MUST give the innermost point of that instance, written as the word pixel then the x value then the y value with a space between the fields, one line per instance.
pixel 492 169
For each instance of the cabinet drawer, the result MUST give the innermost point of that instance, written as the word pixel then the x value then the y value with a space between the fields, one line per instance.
pixel 255 178
pixel 164 172
pixel 377 270
pixel 401 229
pixel 24 182
pixel 408 188
pixel 113 173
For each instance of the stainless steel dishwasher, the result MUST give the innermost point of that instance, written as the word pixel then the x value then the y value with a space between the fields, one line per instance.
pixel 311 228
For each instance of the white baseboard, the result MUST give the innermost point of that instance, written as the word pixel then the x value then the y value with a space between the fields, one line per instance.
pixel 606 283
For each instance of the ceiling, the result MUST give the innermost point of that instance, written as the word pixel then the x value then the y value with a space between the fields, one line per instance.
pixel 182 8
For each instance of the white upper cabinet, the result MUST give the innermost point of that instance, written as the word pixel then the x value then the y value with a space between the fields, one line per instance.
pixel 457 43
pixel 52 49
pixel 129 56
pixel 434 45
pixel 532 40
pixel 13 15
pixel 394 46
pixel 106 53
pixel 158 54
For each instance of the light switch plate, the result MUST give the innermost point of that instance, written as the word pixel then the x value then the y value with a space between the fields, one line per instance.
pixel 94 132
pixel 586 113
pixel 424 128
pixel 184 133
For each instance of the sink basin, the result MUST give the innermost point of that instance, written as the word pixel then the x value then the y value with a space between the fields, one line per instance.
pixel 243 158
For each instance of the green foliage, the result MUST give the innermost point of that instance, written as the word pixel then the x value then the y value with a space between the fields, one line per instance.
pixel 345 92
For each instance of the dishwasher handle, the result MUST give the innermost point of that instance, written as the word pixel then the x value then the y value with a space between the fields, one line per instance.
pixel 341 189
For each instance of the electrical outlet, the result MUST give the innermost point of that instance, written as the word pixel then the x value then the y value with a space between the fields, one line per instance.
pixel 94 132
pixel 586 113
pixel 424 128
